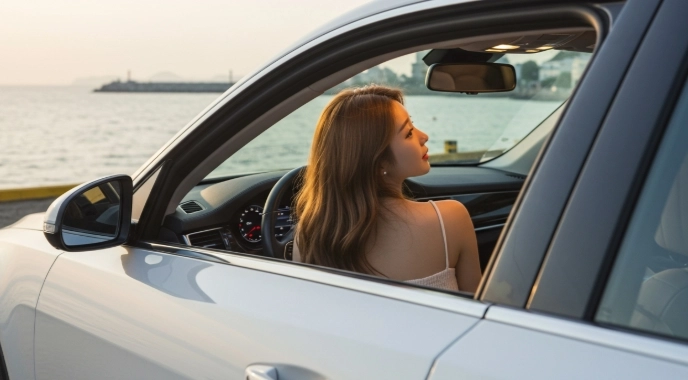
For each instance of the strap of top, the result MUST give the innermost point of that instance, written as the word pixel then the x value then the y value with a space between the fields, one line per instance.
pixel 444 235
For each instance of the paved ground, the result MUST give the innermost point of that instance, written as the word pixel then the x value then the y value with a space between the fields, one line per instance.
pixel 10 212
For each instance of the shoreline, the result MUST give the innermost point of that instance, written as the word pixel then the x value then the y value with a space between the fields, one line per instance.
pixel 17 203
pixel 11 212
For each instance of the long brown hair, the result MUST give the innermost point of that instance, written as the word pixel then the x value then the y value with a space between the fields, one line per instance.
pixel 339 204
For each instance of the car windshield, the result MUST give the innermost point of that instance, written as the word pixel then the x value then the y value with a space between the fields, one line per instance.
pixel 463 129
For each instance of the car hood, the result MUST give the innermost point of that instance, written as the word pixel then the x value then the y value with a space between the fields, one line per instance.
pixel 30 222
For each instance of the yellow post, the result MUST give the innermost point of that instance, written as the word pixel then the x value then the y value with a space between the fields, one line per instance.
pixel 450 146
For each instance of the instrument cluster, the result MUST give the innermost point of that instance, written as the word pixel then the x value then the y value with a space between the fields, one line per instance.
pixel 249 223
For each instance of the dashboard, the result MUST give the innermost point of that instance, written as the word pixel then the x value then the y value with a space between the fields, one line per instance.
pixel 243 231
pixel 227 214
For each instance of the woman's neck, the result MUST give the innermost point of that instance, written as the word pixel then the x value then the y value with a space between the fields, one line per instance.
pixel 394 204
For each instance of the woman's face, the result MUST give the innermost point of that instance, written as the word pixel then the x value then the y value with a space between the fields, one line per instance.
pixel 408 147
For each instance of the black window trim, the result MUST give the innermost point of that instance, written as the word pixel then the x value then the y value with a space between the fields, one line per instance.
pixel 589 263
pixel 521 249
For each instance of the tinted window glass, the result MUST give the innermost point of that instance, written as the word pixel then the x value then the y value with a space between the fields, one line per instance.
pixel 648 288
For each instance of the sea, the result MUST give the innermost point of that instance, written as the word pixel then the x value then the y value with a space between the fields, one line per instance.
pixel 68 135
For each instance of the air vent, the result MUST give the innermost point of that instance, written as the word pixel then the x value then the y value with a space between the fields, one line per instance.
pixel 206 239
pixel 519 176
pixel 191 207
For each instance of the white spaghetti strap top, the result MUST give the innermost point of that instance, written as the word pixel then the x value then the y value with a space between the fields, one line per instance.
pixel 445 279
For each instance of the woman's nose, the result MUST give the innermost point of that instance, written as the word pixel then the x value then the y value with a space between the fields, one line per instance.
pixel 423 138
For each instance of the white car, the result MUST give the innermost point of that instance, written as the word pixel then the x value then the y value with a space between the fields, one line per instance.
pixel 581 213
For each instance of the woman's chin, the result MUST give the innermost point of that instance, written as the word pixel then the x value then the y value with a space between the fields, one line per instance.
pixel 422 171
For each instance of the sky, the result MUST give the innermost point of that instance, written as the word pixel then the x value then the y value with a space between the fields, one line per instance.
pixel 67 42
pixel 55 42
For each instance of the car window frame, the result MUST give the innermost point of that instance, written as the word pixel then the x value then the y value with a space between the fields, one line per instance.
pixel 521 250
pixel 179 158
pixel 589 263
pixel 647 195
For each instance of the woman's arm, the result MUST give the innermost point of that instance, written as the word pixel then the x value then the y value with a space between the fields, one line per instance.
pixel 468 266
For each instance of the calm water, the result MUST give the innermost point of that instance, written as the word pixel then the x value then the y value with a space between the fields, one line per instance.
pixel 61 135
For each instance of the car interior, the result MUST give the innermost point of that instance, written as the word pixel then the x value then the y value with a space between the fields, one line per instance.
pixel 663 295
pixel 223 212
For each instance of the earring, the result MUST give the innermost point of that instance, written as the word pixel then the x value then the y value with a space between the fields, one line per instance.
pixel 384 173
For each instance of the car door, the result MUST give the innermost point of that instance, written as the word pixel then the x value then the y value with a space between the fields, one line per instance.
pixel 129 312
pixel 157 310
pixel 609 300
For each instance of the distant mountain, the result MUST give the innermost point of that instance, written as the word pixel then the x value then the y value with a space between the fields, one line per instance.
pixel 94 81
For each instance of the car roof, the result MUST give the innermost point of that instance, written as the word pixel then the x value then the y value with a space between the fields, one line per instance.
pixel 358 13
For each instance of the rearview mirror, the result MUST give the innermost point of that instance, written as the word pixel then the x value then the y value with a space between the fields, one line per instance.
pixel 91 216
pixel 471 78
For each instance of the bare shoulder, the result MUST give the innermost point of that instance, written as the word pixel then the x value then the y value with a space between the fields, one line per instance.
pixel 451 205
pixel 453 211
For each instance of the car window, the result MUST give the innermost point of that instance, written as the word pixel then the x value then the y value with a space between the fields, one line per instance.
pixel 648 287
pixel 463 129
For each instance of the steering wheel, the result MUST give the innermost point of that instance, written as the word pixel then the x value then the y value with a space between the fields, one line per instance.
pixel 272 246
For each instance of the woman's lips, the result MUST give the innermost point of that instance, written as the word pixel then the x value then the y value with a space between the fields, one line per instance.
pixel 425 156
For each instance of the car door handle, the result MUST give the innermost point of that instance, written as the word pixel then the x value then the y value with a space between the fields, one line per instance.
pixel 261 372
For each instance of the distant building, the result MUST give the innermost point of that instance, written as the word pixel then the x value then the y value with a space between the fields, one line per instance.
pixel 563 63
pixel 377 75
pixel 419 68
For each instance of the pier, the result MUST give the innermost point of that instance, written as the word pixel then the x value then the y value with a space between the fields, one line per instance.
pixel 133 86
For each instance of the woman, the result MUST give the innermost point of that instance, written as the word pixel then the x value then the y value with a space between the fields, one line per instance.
pixel 351 211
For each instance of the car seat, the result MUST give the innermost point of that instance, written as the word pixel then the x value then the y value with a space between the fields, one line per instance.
pixel 662 304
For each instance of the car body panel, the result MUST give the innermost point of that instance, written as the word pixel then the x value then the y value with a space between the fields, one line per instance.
pixel 25 259
pixel 132 312
pixel 497 350
pixel 671 351
pixel 461 303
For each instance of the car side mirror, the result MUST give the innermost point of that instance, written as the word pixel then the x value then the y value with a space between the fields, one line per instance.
pixel 94 215
pixel 471 78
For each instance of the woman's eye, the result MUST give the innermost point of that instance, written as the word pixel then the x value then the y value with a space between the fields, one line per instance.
pixel 410 133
